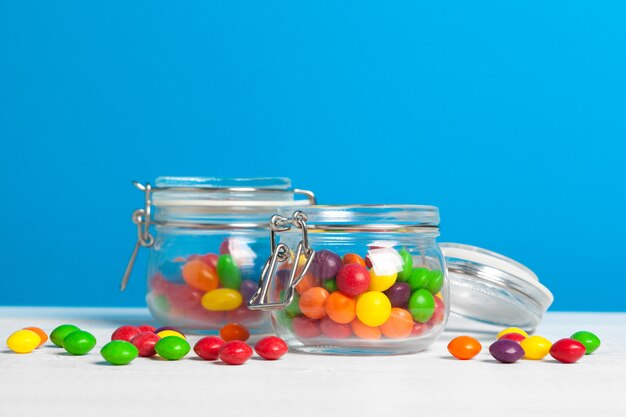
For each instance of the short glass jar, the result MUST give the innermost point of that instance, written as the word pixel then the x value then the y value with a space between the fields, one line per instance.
pixel 208 239
pixel 368 280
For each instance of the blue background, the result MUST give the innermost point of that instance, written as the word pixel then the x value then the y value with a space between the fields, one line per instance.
pixel 510 116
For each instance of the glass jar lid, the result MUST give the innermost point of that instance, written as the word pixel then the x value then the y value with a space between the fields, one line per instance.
pixel 489 288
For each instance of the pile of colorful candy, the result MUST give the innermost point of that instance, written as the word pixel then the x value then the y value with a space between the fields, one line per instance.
pixel 513 344
pixel 342 298
pixel 128 342
pixel 207 291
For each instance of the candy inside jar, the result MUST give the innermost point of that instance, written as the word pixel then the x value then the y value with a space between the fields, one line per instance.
pixel 369 280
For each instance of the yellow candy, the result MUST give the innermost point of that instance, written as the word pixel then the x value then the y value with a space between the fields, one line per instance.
pixel 381 282
pixel 373 308
pixel 165 333
pixel 512 330
pixel 536 347
pixel 23 341
pixel 222 299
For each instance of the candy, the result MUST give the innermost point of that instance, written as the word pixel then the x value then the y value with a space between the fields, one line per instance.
pixel 516 337
pixel 363 331
pixel 506 351
pixel 439 313
pixel 567 350
pixel 167 333
pixel 353 258
pixel 511 330
pixel 325 264
pixel 399 294
pixel 235 352
pixel 435 281
pixel 234 331
pixel 200 276
pixel 399 324
pixel 42 335
pixel 242 315
pixel 145 342
pixel 340 308
pixel 172 348
pixel 330 285
pixel 381 282
pixel 293 309
pixel 308 281
pixel 373 308
pixel 421 305
pixel 79 342
pixel 146 328
pixel 125 333
pixel 305 327
pixel 590 341
pixel 418 279
pixel 208 347
pixel 60 332
pixel 23 341
pixel 119 352
pixel 464 347
pixel 536 347
pixel 160 329
pixel 407 265
pixel 353 279
pixel 228 271
pixel 247 289
pixel 312 302
pixel 222 299
pixel 335 330
pixel 419 329
pixel 210 259
pixel 271 348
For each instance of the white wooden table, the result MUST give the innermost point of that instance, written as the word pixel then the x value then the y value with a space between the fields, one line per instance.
pixel 49 382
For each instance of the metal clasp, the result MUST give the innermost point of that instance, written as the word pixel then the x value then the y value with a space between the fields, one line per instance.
pixel 142 218
pixel 280 254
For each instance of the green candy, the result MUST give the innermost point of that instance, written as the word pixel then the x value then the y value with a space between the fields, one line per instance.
pixel 284 320
pixel 422 305
pixel 293 309
pixel 435 281
pixel 172 348
pixel 407 265
pixel 228 271
pixel 418 278
pixel 60 332
pixel 590 341
pixel 119 352
pixel 162 304
pixel 330 285
pixel 79 342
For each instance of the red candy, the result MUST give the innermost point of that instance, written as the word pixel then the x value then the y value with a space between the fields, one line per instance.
pixel 208 348
pixel 145 328
pixel 271 348
pixel 144 342
pixel 235 352
pixel 125 333
pixel 439 313
pixel 353 279
pixel 516 337
pixel 234 331
pixel 305 327
pixel 335 330
pixel 567 350
pixel 210 259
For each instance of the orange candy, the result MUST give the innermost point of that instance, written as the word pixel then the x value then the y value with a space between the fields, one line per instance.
pixel 234 331
pixel 464 347
pixel 308 281
pixel 399 324
pixel 353 258
pixel 312 302
pixel 340 308
pixel 200 276
pixel 42 335
pixel 363 331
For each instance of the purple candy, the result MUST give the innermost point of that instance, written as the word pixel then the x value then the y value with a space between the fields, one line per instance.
pixel 506 351
pixel 160 329
pixel 326 264
pixel 399 294
pixel 247 289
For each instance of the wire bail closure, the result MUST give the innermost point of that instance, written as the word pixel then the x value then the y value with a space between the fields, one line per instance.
pixel 281 254
pixel 142 218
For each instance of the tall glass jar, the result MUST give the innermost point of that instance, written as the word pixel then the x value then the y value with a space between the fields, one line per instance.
pixel 208 240
pixel 356 279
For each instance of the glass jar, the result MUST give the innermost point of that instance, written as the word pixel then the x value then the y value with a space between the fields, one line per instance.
pixel 208 240
pixel 366 280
